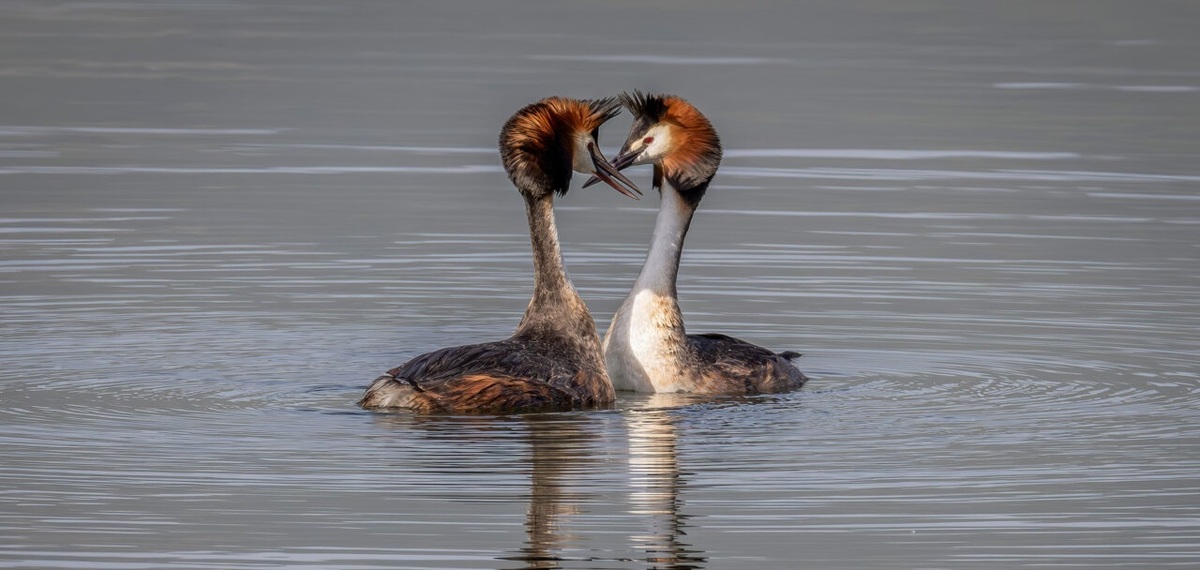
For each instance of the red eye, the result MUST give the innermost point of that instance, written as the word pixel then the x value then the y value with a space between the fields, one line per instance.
pixel 647 140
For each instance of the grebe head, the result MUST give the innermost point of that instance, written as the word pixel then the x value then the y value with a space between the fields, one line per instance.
pixel 673 135
pixel 545 141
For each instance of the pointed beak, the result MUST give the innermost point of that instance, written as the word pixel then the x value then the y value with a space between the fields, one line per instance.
pixel 610 174
pixel 621 162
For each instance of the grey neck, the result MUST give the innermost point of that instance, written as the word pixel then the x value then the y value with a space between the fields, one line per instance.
pixel 661 268
pixel 556 307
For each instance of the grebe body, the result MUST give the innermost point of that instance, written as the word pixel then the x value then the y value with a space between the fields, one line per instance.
pixel 554 359
pixel 647 348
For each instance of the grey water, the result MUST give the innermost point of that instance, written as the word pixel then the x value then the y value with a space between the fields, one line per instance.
pixel 980 223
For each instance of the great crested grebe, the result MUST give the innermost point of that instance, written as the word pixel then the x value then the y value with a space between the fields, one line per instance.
pixel 553 360
pixel 646 348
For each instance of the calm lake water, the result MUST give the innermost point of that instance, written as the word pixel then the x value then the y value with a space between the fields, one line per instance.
pixel 980 223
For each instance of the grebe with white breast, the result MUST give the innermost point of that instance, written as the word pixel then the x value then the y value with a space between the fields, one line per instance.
pixel 646 348
pixel 553 360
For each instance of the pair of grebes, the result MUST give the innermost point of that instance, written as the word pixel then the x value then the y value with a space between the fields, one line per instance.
pixel 555 360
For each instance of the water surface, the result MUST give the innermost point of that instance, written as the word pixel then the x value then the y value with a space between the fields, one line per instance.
pixel 978 222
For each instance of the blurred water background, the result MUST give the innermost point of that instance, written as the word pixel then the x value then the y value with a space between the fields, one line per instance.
pixel 979 221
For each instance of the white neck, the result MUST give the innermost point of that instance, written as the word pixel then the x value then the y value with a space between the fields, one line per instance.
pixel 646 339
pixel 662 261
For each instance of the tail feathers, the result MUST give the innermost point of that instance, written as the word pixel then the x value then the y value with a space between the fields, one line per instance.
pixel 390 391
pixel 790 354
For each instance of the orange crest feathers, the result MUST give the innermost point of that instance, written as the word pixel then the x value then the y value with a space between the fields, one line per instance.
pixel 536 142
pixel 695 148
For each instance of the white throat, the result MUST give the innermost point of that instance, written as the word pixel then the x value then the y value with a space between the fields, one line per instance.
pixel 662 261
pixel 646 340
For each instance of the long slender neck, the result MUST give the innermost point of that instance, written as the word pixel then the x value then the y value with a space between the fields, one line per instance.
pixel 646 343
pixel 662 261
pixel 550 281
pixel 555 306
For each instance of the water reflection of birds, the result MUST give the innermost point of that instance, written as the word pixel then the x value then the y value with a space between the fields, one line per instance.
pixel 561 456
pixel 558 449
pixel 647 348
pixel 553 360
pixel 658 483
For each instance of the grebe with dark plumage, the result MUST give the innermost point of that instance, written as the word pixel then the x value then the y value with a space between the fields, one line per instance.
pixel 647 348
pixel 553 360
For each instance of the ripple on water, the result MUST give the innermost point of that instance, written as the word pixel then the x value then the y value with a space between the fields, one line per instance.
pixel 999 324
